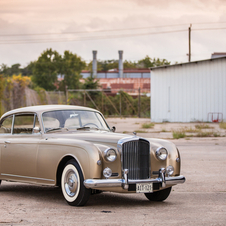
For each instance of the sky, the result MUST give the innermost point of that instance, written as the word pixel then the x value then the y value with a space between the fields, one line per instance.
pixel 158 29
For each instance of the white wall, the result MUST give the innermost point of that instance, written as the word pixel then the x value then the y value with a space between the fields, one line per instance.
pixel 188 92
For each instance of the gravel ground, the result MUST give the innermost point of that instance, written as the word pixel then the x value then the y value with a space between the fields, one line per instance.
pixel 201 200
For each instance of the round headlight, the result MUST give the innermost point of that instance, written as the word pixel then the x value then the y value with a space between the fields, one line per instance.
pixel 107 172
pixel 110 154
pixel 161 153
pixel 169 170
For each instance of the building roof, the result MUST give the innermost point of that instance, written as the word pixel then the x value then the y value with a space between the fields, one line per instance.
pixel 187 63
pixel 137 70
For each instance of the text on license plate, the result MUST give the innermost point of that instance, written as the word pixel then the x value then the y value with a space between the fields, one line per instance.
pixel 144 188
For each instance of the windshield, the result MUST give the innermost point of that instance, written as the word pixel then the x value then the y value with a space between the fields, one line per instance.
pixel 73 119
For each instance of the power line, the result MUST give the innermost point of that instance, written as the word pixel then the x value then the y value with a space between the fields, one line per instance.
pixel 90 38
pixel 85 38
pixel 83 32
pixel 109 30
pixel 206 29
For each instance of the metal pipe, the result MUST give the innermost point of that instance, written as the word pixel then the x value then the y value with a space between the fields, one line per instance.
pixel 94 69
pixel 120 64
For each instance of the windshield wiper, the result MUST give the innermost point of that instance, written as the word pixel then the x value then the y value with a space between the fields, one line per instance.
pixel 86 127
pixel 57 128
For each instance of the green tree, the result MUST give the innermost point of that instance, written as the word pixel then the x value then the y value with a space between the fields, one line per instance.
pixel 70 69
pixel 149 62
pixel 2 88
pixel 46 69
pixel 28 70
pixel 91 83
pixel 10 71
pixel 129 65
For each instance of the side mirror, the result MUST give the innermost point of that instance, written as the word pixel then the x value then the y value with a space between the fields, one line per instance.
pixel 113 129
pixel 36 129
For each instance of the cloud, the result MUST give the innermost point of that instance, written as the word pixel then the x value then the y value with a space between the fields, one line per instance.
pixel 40 16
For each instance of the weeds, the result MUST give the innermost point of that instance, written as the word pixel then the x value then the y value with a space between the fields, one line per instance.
pixel 164 130
pixel 203 126
pixel 222 125
pixel 190 130
pixel 177 134
pixel 140 131
pixel 148 125
pixel 216 134
pixel 181 133
pixel 204 134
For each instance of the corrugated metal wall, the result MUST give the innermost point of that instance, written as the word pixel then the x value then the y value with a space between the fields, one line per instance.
pixel 188 92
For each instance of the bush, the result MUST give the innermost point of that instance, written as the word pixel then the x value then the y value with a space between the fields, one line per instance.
pixel 148 125
pixel 177 134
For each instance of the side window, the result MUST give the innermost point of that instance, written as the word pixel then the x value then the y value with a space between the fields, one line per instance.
pixel 23 124
pixel 6 125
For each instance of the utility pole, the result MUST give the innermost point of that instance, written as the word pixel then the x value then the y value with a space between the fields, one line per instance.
pixel 189 43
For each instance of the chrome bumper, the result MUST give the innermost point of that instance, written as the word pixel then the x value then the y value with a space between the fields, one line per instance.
pixel 162 180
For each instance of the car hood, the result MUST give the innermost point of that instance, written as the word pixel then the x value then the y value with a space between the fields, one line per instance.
pixel 91 136
pixel 103 137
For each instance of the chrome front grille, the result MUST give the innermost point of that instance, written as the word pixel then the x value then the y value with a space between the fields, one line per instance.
pixel 136 158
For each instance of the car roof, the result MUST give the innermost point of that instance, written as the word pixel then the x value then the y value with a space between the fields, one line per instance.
pixel 43 108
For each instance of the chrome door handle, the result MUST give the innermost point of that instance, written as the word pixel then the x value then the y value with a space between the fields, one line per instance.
pixel 7 142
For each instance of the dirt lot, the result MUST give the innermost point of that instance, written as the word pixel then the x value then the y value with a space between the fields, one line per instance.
pixel 201 200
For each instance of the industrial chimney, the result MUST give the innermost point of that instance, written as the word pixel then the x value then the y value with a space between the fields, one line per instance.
pixel 120 64
pixel 94 63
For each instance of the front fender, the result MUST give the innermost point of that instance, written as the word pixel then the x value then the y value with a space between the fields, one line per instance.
pixel 53 150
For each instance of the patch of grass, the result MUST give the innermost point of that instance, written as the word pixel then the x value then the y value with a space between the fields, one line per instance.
pixel 204 134
pixel 222 125
pixel 190 130
pixel 148 125
pixel 215 134
pixel 140 131
pixel 125 132
pixel 203 126
pixel 177 134
pixel 136 123
pixel 164 130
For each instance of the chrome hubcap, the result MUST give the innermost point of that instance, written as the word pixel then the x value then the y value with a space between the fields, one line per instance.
pixel 71 183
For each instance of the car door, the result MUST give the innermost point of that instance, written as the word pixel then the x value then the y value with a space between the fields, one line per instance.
pixel 19 154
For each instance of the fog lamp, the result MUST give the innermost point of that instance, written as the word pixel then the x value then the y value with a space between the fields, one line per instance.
pixel 169 170
pixel 107 172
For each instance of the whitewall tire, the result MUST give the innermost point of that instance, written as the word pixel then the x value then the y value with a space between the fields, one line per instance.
pixel 74 192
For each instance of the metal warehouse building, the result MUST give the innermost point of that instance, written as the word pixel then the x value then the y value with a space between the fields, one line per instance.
pixel 188 92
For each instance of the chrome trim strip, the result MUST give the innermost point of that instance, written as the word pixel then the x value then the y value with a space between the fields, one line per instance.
pixel 12 128
pixel 11 175
pixel 104 183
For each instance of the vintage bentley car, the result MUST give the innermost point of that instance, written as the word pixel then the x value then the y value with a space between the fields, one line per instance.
pixel 73 147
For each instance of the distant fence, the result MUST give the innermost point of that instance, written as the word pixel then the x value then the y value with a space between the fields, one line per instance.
pixel 118 103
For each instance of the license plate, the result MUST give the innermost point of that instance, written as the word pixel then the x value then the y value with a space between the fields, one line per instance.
pixel 144 188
